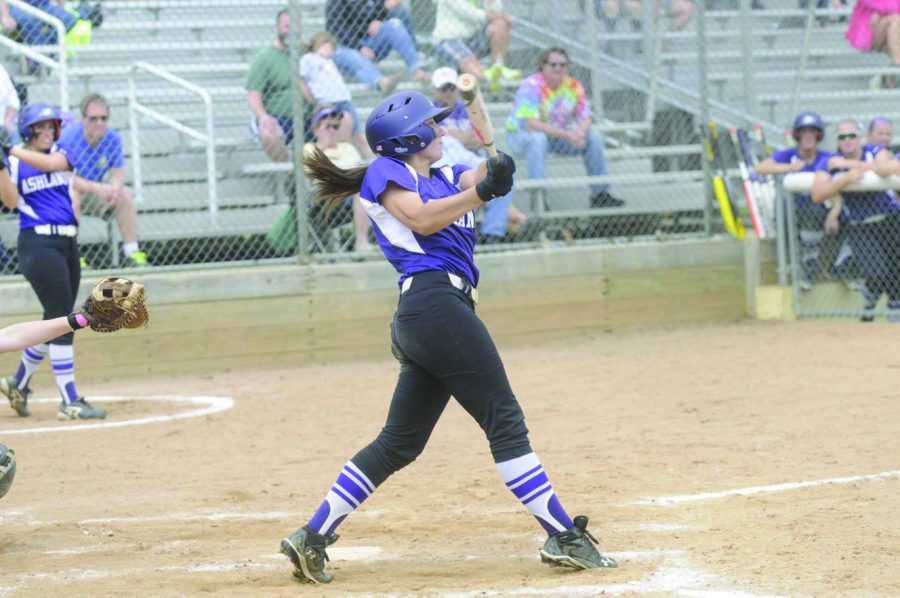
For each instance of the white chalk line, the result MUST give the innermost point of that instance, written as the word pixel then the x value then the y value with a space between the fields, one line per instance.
pixel 673 577
pixel 192 516
pixel 678 579
pixel 683 498
pixel 210 405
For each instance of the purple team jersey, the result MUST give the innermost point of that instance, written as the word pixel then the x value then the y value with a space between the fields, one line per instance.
pixel 859 205
pixel 450 249
pixel 791 155
pixel 44 197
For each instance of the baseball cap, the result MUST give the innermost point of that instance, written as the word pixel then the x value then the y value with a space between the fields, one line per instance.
pixel 443 76
pixel 325 113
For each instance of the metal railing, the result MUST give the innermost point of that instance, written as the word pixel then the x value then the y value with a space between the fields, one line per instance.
pixel 60 64
pixel 208 138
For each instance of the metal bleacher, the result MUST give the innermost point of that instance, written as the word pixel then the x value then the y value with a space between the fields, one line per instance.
pixel 210 43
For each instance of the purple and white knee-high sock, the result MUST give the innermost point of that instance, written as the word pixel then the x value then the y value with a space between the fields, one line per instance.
pixel 349 491
pixel 31 359
pixel 525 477
pixel 62 357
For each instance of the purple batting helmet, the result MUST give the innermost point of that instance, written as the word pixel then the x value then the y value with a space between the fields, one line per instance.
pixel 810 120
pixel 36 113
pixel 396 127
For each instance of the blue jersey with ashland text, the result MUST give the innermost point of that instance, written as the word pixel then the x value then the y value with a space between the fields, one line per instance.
pixel 44 197
pixel 859 205
pixel 93 162
pixel 450 249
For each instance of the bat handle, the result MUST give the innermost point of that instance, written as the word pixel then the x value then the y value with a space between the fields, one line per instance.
pixel 491 150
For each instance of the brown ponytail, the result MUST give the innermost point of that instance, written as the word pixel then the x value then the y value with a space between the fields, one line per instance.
pixel 332 183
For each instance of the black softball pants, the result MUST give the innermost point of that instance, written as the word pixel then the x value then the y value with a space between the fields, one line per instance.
pixel 444 349
pixel 51 265
pixel 876 249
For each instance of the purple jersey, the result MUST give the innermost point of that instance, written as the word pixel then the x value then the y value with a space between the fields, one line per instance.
pixel 44 197
pixel 450 249
pixel 789 156
pixel 859 205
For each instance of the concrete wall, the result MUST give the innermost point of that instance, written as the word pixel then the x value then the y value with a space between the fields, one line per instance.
pixel 240 317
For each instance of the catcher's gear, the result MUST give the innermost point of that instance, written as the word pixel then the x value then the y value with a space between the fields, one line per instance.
pixel 7 469
pixel 116 303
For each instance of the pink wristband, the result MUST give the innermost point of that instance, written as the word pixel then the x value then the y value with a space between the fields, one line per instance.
pixel 77 321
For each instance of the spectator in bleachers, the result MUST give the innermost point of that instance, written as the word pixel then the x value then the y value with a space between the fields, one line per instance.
pixel 269 93
pixel 322 83
pixel 881 131
pixel 679 12
pixel 462 146
pixel 98 161
pixel 875 27
pixel 396 9
pixel 873 217
pixel 465 31
pixel 366 33
pixel 33 30
pixel 9 104
pixel 551 113
pixel 808 132
pixel 326 124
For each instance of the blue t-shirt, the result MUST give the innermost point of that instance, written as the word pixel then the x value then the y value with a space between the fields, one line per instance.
pixel 44 198
pixel 791 155
pixel 90 162
pixel 859 205
pixel 450 249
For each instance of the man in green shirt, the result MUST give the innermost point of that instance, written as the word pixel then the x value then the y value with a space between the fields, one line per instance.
pixel 269 93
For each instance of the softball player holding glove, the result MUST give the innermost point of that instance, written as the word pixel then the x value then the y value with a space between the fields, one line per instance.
pixel 424 222
pixel 48 254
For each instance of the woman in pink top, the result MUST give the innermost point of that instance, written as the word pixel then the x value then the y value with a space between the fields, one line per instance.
pixel 875 26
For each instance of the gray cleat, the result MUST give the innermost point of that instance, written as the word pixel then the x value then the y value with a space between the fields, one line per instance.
pixel 306 549
pixel 79 409
pixel 18 397
pixel 574 548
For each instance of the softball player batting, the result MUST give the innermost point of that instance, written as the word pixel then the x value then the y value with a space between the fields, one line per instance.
pixel 48 255
pixel 424 222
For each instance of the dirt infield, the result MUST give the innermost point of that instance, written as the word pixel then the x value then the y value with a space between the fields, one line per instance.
pixel 197 506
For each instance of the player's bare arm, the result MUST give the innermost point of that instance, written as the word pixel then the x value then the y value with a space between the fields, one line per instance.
pixel 832 221
pixel 826 186
pixel 770 166
pixel 53 162
pixel 428 218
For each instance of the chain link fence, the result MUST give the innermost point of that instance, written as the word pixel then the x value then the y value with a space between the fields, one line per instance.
pixel 213 101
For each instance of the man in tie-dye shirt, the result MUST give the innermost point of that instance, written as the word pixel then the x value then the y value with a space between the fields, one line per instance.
pixel 551 113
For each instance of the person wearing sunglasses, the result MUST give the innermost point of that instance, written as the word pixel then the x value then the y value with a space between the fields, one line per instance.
pixel 327 127
pixel 873 217
pixel 551 113
pixel 99 164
